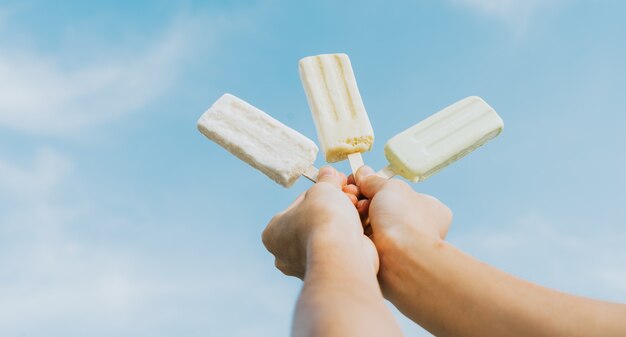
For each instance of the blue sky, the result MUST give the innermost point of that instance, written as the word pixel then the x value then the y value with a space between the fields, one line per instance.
pixel 117 218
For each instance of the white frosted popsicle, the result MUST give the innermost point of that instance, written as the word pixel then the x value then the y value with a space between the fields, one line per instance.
pixel 253 136
pixel 343 128
pixel 441 139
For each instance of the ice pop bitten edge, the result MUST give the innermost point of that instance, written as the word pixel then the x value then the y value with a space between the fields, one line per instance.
pixel 341 121
pixel 263 142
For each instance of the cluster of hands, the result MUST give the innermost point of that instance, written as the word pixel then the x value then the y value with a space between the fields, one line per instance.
pixel 376 217
pixel 356 241
pixel 348 238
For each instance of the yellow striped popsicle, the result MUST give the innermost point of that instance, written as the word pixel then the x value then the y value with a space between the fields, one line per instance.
pixel 343 128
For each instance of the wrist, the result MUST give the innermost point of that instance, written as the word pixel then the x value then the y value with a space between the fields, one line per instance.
pixel 403 260
pixel 332 236
pixel 407 242
pixel 340 255
pixel 334 246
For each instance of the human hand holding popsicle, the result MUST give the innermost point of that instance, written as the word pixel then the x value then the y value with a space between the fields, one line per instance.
pixel 398 210
pixel 317 220
pixel 450 293
pixel 400 219
pixel 319 239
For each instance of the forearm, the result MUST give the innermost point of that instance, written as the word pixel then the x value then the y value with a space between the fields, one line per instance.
pixel 341 296
pixel 453 294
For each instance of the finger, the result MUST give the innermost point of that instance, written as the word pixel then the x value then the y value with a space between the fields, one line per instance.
pixel 445 225
pixel 367 231
pixel 267 232
pixel 352 189
pixel 344 180
pixel 366 223
pixel 443 231
pixel 328 174
pixel 444 212
pixel 352 198
pixel 368 182
pixel 351 180
pixel 363 207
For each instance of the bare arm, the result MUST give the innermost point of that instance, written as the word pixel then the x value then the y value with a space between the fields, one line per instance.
pixel 452 294
pixel 320 239
pixel 341 295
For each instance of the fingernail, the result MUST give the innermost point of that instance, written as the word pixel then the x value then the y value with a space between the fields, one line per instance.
pixel 326 171
pixel 365 171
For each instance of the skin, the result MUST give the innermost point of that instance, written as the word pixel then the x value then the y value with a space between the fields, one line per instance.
pixel 319 238
pixel 452 294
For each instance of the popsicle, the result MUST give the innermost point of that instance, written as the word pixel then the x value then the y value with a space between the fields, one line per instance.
pixel 253 136
pixel 343 128
pixel 441 139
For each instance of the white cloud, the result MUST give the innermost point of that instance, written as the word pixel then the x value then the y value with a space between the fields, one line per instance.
pixel 35 181
pixel 28 194
pixel 41 95
pixel 515 13
pixel 48 275
pixel 59 281
pixel 58 277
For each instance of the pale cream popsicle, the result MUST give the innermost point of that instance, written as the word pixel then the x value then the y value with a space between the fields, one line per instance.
pixel 253 136
pixel 343 127
pixel 441 139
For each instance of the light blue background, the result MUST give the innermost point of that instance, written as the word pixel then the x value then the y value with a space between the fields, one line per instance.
pixel 117 218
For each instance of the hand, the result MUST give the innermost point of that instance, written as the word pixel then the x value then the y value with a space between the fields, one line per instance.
pixel 321 219
pixel 401 220
pixel 448 292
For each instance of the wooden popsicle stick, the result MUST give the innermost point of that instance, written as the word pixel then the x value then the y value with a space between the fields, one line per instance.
pixel 311 173
pixel 387 172
pixel 356 161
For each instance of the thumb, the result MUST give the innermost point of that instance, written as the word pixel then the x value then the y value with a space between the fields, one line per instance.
pixel 368 182
pixel 328 174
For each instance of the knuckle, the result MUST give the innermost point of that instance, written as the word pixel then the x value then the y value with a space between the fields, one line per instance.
pixel 311 192
pixel 448 213
pixel 265 237
pixel 397 184
pixel 318 188
pixel 279 265
pixel 317 203
pixel 274 219
pixel 442 209
pixel 445 210
pixel 267 234
pixel 283 268
pixel 431 200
